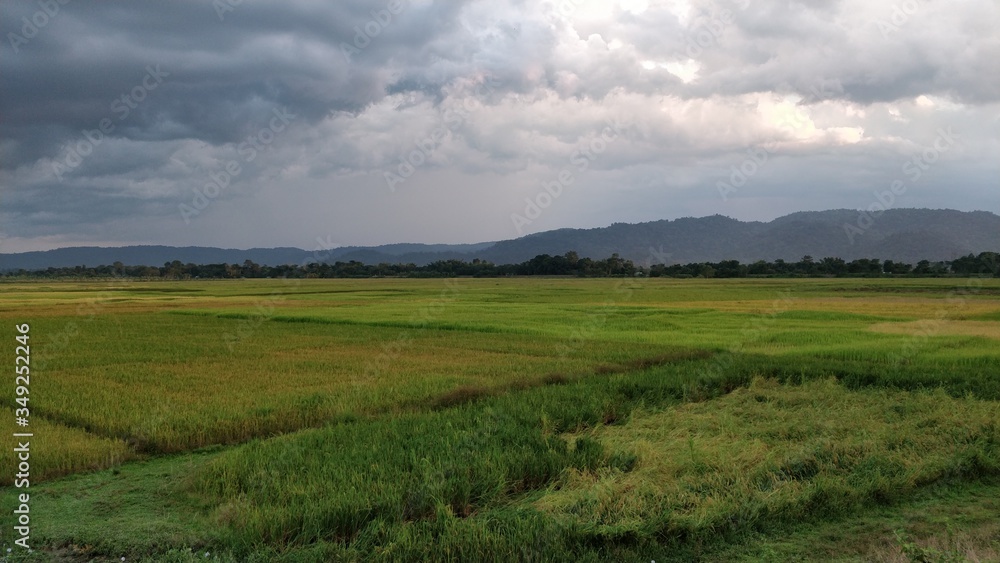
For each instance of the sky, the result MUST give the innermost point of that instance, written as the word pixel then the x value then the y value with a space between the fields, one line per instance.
pixel 316 124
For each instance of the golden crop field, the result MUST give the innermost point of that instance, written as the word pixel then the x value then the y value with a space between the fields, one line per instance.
pixel 464 419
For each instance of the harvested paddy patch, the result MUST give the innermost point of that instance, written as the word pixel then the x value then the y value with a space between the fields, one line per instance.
pixel 934 327
pixel 776 452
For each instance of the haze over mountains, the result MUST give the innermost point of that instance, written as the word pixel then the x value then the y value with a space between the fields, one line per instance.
pixel 906 235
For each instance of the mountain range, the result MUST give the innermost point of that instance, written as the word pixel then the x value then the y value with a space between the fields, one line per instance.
pixel 905 235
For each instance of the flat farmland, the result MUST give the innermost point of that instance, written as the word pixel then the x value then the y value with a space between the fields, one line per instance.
pixel 525 418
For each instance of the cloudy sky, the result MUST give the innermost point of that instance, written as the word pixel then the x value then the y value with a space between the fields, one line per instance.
pixel 248 123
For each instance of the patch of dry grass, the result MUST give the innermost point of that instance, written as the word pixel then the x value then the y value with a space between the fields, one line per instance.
pixel 934 327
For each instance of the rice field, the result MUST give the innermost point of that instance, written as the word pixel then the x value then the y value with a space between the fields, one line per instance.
pixel 523 418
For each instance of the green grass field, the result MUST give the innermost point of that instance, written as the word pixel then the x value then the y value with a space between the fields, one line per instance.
pixel 519 419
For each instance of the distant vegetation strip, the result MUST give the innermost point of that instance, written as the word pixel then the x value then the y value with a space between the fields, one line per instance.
pixel 569 264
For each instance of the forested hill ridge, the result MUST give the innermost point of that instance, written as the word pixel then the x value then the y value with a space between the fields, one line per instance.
pixel 159 255
pixel 902 235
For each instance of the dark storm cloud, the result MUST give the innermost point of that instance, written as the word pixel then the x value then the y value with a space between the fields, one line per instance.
pixel 840 91
pixel 221 75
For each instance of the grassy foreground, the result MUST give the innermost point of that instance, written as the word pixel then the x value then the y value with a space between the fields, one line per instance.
pixel 524 418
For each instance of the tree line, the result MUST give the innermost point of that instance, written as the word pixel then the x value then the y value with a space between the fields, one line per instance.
pixel 569 264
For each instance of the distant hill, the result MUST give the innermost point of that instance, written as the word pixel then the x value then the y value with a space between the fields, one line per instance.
pixel 905 235
pixel 159 255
